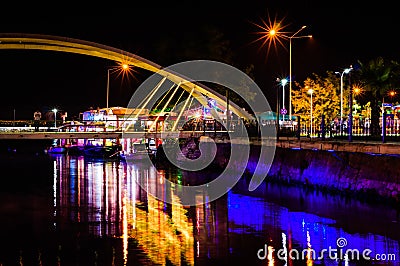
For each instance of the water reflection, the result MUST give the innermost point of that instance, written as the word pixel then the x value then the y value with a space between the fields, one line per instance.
pixel 95 213
pixel 327 221
pixel 107 197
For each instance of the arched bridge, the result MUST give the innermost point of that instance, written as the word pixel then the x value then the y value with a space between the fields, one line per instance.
pixel 70 45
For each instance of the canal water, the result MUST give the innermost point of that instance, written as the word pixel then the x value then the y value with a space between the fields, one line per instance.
pixel 65 210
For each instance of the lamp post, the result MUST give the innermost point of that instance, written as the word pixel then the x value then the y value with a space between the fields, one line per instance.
pixel 311 91
pixel 294 36
pixel 277 114
pixel 55 117
pixel 346 71
pixel 356 91
pixel 124 67
pixel 108 86
pixel 283 82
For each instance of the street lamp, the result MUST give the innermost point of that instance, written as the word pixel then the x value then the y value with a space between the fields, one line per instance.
pixel 392 94
pixel 283 82
pixel 294 36
pixel 55 117
pixel 125 67
pixel 310 91
pixel 108 85
pixel 346 71
pixel 356 92
pixel 272 34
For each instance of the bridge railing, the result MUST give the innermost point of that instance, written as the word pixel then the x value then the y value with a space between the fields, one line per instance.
pixel 389 129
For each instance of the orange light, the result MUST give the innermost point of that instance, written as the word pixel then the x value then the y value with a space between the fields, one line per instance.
pixel 271 33
pixel 125 70
pixel 357 90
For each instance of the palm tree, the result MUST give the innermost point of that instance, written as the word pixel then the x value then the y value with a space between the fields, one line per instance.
pixel 377 77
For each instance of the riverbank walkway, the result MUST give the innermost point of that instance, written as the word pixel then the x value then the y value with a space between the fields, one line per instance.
pixel 363 146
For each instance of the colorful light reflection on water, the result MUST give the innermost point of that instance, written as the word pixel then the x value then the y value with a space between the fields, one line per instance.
pixel 106 195
pixel 303 232
pixel 95 213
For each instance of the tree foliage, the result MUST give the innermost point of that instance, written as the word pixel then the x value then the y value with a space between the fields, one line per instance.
pixel 325 98
pixel 378 76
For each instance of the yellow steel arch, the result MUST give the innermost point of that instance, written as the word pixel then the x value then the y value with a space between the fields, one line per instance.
pixel 76 46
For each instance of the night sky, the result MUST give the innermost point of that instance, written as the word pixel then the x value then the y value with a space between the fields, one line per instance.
pixel 176 31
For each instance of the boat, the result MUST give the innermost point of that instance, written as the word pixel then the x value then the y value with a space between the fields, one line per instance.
pixel 57 150
pixel 103 152
pixel 57 147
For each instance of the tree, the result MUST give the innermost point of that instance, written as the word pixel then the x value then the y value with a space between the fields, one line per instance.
pixel 377 77
pixel 325 98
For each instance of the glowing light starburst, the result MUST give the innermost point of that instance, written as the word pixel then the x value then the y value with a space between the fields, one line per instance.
pixel 358 90
pixel 391 93
pixel 271 34
pixel 125 70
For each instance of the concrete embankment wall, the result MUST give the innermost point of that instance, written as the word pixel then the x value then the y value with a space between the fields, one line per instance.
pixel 350 172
